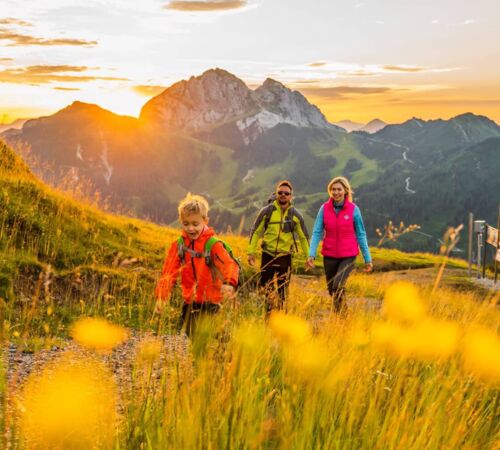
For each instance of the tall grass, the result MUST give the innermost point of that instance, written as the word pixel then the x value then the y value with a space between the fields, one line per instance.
pixel 423 372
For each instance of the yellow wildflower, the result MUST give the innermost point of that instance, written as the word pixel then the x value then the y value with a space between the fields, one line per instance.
pixel 309 360
pixel 98 334
pixel 70 405
pixel 402 302
pixel 251 339
pixel 426 340
pixel 288 328
pixel 482 354
pixel 149 350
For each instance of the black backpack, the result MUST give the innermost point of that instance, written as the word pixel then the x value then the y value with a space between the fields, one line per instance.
pixel 288 223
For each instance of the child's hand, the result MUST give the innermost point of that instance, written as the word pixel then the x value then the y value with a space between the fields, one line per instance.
pixel 251 260
pixel 160 304
pixel 227 291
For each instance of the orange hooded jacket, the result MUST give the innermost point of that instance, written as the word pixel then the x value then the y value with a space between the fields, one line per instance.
pixel 197 282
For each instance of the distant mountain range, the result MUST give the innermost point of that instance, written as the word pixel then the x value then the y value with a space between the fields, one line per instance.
pixel 213 135
pixel 371 127
pixel 17 124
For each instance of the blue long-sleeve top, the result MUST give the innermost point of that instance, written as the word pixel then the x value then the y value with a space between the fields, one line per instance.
pixel 359 229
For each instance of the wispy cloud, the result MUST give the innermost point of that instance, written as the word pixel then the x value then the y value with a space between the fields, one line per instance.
pixel 13 21
pixel 148 90
pixel 20 39
pixel 318 64
pixel 413 69
pixel 9 32
pixel 60 88
pixel 343 92
pixel 209 5
pixel 48 74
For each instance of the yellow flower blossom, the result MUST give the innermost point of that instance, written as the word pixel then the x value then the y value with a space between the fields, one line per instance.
pixel 482 354
pixel 98 334
pixel 69 405
pixel 402 302
pixel 427 340
pixel 251 339
pixel 309 360
pixel 149 350
pixel 288 328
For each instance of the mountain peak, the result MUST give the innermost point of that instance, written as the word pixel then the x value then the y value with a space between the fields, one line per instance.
pixel 290 105
pixel 78 106
pixel 270 83
pixel 471 117
pixel 212 98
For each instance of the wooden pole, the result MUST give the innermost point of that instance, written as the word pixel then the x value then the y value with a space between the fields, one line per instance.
pixel 485 249
pixel 469 246
pixel 498 245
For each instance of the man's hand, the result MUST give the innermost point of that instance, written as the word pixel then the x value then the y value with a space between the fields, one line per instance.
pixel 368 267
pixel 251 260
pixel 310 262
pixel 227 291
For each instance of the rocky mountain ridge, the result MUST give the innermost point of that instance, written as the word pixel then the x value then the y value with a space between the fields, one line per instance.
pixel 217 97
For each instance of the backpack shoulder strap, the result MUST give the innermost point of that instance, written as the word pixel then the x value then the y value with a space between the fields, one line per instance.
pixel 181 249
pixel 295 212
pixel 209 245
pixel 267 215
pixel 264 215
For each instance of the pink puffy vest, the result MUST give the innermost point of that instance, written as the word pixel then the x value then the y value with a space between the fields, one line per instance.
pixel 340 237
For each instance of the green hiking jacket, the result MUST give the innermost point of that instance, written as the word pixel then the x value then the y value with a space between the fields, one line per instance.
pixel 277 239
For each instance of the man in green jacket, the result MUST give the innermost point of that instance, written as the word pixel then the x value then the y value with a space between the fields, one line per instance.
pixel 279 225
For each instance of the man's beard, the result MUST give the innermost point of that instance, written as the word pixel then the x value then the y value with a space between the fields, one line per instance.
pixel 283 202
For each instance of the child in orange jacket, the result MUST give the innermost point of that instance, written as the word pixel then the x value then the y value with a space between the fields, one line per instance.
pixel 203 287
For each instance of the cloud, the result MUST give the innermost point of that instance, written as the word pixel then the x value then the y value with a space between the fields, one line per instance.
pixel 13 21
pixel 209 5
pixel 342 92
pixel 48 74
pixel 392 68
pixel 60 88
pixel 148 90
pixel 318 64
pixel 22 39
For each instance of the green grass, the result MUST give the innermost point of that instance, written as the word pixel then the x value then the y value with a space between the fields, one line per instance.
pixel 346 150
pixel 243 382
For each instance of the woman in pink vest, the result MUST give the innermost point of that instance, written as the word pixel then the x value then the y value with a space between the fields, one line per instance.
pixel 340 225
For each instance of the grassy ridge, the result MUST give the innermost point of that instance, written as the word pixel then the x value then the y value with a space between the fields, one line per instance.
pixel 314 380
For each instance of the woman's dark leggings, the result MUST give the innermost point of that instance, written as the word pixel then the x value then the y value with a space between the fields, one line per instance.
pixel 337 271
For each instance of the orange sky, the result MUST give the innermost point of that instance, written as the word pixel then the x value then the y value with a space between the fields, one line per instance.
pixel 355 60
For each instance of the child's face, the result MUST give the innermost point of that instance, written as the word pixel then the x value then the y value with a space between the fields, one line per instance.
pixel 193 224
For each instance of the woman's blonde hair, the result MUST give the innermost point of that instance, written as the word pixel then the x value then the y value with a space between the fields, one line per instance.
pixel 345 184
pixel 193 204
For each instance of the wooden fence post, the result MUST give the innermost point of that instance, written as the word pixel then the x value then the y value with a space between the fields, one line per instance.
pixel 469 246
pixel 497 253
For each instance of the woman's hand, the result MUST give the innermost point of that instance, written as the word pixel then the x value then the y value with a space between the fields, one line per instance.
pixel 368 267
pixel 310 262
pixel 251 260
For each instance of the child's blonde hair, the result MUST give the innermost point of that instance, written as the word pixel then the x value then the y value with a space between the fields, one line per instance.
pixel 345 184
pixel 193 204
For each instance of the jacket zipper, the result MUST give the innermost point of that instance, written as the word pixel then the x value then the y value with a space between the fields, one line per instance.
pixel 279 232
pixel 192 263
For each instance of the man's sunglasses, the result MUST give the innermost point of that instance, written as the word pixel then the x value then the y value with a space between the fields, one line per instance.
pixel 285 193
